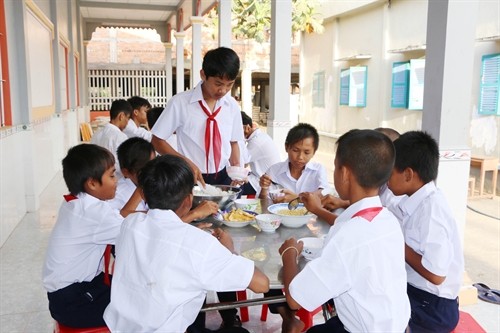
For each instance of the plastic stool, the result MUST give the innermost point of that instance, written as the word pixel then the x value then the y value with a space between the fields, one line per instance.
pixel 60 328
pixel 305 316
pixel 242 296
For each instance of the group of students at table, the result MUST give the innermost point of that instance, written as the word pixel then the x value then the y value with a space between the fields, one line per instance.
pixel 391 261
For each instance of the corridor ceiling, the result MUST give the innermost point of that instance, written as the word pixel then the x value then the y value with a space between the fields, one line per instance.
pixel 154 14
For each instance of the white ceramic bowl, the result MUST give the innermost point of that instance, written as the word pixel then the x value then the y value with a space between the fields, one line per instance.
pixel 276 194
pixel 268 222
pixel 247 204
pixel 237 173
pixel 312 247
pixel 291 221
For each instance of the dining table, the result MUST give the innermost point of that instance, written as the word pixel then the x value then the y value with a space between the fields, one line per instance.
pixel 262 248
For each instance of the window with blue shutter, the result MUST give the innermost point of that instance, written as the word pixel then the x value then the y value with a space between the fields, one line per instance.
pixel 490 85
pixel 400 83
pixel 416 85
pixel 318 92
pixel 353 86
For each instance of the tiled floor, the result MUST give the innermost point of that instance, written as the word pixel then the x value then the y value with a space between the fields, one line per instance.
pixel 24 304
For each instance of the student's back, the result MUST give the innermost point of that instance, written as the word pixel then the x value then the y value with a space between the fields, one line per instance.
pixel 361 265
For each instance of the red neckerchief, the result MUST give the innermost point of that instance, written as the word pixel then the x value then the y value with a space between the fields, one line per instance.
pixel 107 252
pixel 217 141
pixel 368 213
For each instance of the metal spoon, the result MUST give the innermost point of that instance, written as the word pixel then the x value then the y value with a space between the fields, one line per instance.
pixel 272 181
pixel 294 203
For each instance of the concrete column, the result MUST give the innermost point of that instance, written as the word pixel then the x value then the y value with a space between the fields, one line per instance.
pixel 447 94
pixel 179 68
pixel 225 34
pixel 168 69
pixel 246 90
pixel 281 43
pixel 196 22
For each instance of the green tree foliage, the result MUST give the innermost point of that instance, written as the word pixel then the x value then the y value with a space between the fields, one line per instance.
pixel 252 18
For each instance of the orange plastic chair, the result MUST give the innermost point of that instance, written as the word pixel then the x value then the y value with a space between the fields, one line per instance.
pixel 305 316
pixel 60 328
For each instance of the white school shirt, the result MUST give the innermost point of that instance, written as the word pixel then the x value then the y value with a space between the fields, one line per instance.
pixel 391 201
pixel 263 154
pixel 313 177
pixel 184 116
pixel 431 230
pixel 110 137
pixel 83 228
pixel 124 190
pixel 132 131
pixel 362 268
pixel 163 270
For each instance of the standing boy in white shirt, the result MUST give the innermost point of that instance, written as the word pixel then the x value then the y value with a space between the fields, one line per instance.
pixel 433 253
pixel 111 135
pixel 165 267
pixel 206 119
pixel 138 118
pixel 361 265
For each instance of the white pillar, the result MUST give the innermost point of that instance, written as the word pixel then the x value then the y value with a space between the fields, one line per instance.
pixel 246 90
pixel 179 68
pixel 168 69
pixel 196 22
pixel 447 94
pixel 279 78
pixel 225 34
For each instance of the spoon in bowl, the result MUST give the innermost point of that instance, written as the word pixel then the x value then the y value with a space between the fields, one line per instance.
pixel 294 203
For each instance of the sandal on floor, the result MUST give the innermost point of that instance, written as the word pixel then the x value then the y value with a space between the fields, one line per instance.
pixel 487 294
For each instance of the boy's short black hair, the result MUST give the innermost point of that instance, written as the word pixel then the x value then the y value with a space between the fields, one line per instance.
pixel 137 102
pixel 134 153
pixel 153 115
pixel 246 119
pixel 120 105
pixel 390 132
pixel 221 62
pixel 300 132
pixel 420 152
pixel 166 181
pixel 85 161
pixel 369 154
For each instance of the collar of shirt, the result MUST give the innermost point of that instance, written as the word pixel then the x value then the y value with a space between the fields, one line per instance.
pixel 254 135
pixel 197 95
pixel 368 202
pixel 409 204
pixel 166 216
pixel 286 169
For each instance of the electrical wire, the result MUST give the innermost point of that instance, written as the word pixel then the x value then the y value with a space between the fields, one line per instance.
pixel 482 213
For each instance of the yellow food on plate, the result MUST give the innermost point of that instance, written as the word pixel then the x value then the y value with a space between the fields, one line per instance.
pixel 238 215
pixel 296 212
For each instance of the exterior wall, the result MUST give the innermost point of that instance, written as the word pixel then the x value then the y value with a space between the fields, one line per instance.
pixel 31 149
pixel 376 28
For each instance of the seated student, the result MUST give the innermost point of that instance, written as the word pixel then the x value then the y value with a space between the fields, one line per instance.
pixel 262 151
pixel 297 174
pixel 168 265
pixel 433 250
pixel 111 135
pixel 133 154
pixel 140 108
pixel 361 265
pixel 73 269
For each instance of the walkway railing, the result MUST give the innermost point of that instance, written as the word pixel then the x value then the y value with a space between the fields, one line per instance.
pixel 105 86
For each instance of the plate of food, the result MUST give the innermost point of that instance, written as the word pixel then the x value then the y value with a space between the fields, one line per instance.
pixel 312 247
pixel 236 218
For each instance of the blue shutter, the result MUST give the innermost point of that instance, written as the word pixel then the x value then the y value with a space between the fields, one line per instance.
pixel 400 82
pixel 344 86
pixel 490 85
